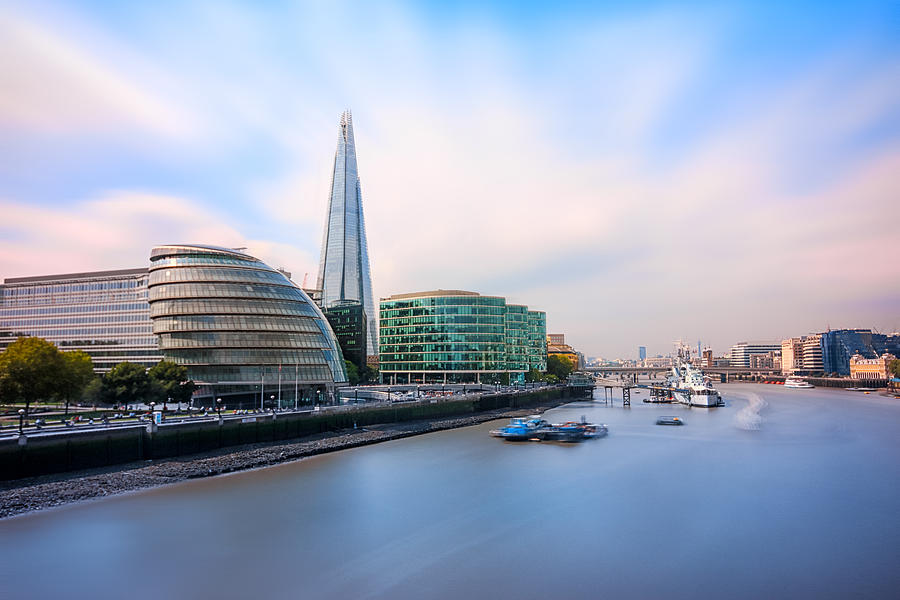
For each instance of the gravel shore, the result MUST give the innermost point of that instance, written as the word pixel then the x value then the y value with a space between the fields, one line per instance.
pixel 37 493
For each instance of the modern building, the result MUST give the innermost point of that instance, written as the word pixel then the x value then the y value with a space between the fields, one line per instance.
pixel 871 368
pixel 740 352
pixel 348 321
pixel 556 339
pixel 839 346
pixel 812 354
pixel 245 332
pixel 454 336
pixel 642 353
pixel 707 358
pixel 104 313
pixel 537 340
pixel 344 273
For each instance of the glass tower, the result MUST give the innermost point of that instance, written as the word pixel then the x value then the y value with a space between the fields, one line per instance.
pixel 344 263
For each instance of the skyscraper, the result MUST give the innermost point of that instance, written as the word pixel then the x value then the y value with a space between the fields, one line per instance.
pixel 344 263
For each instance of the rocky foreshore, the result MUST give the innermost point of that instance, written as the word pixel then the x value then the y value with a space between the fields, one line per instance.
pixel 37 493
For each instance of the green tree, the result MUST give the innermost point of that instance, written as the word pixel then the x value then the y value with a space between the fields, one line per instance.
pixel 352 372
pixel 76 373
pixel 894 367
pixel 558 366
pixel 127 383
pixel 29 370
pixel 533 375
pixel 170 382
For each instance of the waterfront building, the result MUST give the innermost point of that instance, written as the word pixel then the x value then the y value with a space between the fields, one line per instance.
pixel 557 346
pixel 454 336
pixel 642 353
pixel 791 355
pixel 537 340
pixel 871 368
pixel 812 354
pixel 839 345
pixel 344 273
pixel 104 313
pixel 245 332
pixel 707 358
pixel 348 321
pixel 740 352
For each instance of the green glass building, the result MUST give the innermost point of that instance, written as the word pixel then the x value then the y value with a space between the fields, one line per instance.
pixel 453 336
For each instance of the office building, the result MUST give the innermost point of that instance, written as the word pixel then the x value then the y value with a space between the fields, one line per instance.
pixel 344 263
pixel 453 336
pixel 740 352
pixel 839 345
pixel 348 322
pixel 642 353
pixel 245 332
pixel 104 313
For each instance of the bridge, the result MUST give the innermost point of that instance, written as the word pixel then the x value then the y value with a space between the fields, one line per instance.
pixel 651 371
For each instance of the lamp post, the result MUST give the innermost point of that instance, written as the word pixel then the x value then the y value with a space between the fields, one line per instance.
pixel 272 398
pixel 219 408
pixel 152 408
pixel 21 419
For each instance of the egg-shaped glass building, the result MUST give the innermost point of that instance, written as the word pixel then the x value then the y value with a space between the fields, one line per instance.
pixel 246 333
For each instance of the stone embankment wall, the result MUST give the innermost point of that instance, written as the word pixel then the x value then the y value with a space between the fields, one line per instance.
pixel 69 451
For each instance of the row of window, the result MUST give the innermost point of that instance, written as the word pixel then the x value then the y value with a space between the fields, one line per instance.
pixel 231 356
pixel 78 320
pixel 234 323
pixel 15 291
pixel 168 341
pixel 224 290
pixel 265 378
pixel 202 259
pixel 445 301
pixel 88 332
pixel 36 311
pixel 444 366
pixel 76 298
pixel 199 274
pixel 227 306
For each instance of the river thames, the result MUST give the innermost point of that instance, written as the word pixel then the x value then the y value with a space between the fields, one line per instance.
pixel 779 494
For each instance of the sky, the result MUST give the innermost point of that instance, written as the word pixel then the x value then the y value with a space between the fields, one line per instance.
pixel 643 172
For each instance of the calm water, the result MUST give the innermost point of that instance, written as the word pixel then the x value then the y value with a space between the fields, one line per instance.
pixel 806 505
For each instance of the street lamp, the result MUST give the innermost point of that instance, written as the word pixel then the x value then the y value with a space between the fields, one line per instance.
pixel 21 419
pixel 272 398
pixel 219 407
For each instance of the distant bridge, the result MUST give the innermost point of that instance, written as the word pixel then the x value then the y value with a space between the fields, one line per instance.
pixel 610 370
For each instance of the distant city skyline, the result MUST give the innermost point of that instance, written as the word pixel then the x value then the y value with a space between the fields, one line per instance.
pixel 643 173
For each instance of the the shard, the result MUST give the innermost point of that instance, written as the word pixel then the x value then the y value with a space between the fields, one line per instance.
pixel 344 263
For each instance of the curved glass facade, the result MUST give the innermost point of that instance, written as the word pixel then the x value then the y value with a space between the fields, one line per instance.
pixel 457 336
pixel 244 330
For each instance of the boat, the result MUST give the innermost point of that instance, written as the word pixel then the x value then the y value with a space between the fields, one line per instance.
pixel 669 421
pixel 521 429
pixel 690 386
pixel 537 429
pixel 797 383
pixel 574 431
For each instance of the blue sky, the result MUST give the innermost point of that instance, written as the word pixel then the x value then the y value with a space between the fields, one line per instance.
pixel 643 172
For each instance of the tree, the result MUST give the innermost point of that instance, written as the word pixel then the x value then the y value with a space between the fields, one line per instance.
pixel 533 375
pixel 894 367
pixel 126 383
pixel 76 373
pixel 170 382
pixel 559 367
pixel 352 372
pixel 29 370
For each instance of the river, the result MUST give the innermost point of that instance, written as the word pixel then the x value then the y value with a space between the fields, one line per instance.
pixel 780 494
